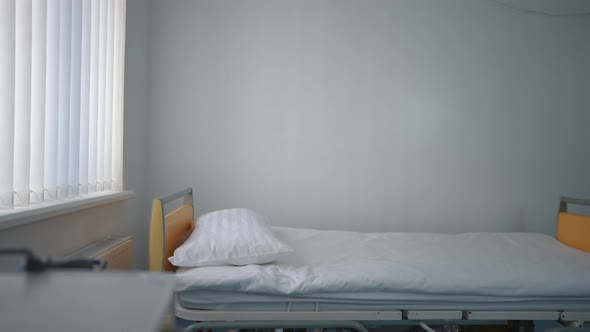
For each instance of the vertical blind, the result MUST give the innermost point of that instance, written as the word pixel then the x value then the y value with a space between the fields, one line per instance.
pixel 61 99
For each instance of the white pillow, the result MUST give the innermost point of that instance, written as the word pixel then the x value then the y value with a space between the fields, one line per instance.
pixel 229 237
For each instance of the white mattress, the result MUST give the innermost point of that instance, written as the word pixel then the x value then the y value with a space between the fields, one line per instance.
pixel 401 270
pixel 248 302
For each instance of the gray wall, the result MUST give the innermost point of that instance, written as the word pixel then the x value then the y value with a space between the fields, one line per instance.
pixel 362 115
pixel 443 116
pixel 64 234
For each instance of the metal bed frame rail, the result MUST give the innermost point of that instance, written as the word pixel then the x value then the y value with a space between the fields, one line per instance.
pixel 564 201
pixel 186 193
pixel 332 324
pixel 308 324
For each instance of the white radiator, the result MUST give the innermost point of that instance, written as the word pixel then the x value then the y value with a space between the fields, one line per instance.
pixel 116 250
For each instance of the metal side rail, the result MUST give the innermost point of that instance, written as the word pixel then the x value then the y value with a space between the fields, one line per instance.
pixel 310 324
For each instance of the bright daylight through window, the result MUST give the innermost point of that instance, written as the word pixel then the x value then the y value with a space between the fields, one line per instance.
pixel 61 99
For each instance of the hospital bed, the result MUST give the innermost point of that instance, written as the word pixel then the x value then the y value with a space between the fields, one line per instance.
pixel 448 284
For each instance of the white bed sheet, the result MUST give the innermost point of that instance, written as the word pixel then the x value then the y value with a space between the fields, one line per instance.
pixel 398 266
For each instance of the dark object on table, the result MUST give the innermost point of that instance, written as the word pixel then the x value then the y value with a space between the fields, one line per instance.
pixel 37 264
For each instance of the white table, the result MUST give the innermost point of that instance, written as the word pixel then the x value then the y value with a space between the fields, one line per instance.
pixel 84 301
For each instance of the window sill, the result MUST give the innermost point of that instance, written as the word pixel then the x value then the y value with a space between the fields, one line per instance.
pixel 24 215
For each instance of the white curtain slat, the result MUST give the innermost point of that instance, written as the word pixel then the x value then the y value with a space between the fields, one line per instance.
pixel 63 144
pixel 7 47
pixel 116 64
pixel 108 112
pixel 119 71
pixel 38 50
pixel 85 95
pixel 75 80
pixel 121 79
pixel 93 95
pixel 51 100
pixel 102 55
pixel 22 101
pixel 116 83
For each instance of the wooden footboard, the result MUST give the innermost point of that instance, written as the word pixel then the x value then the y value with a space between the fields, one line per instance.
pixel 573 229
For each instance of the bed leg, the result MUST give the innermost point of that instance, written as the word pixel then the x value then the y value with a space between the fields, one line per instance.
pixel 426 327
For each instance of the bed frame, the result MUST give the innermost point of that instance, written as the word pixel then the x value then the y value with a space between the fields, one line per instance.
pixel 169 230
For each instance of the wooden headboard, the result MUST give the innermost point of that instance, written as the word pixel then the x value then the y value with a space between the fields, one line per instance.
pixel 168 232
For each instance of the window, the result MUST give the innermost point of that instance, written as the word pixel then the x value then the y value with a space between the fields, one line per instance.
pixel 61 99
